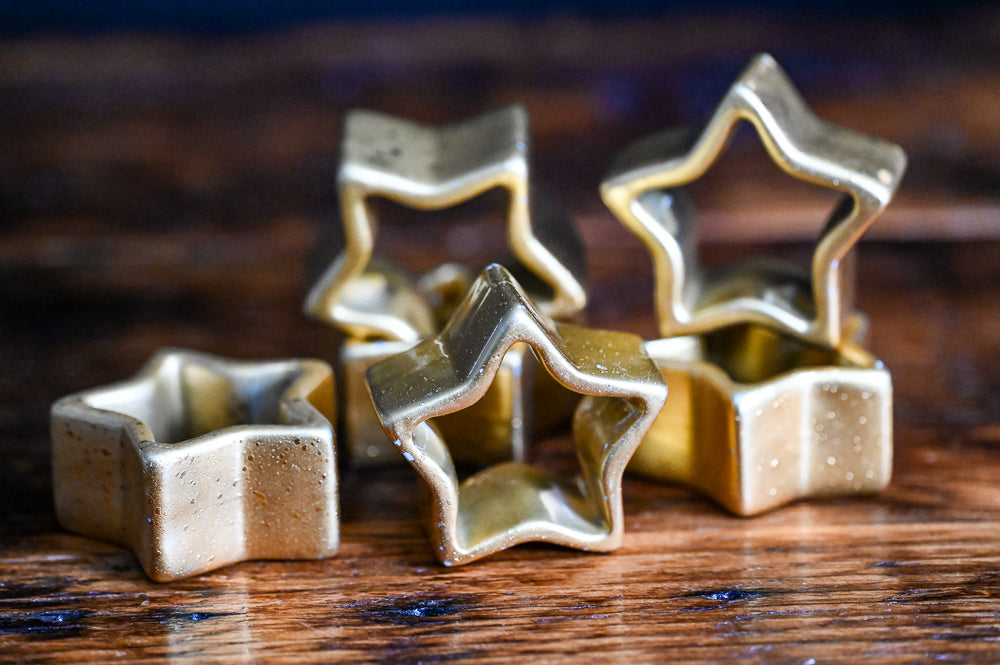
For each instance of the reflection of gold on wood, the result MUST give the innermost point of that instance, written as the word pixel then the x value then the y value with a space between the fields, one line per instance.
pixel 200 462
pixel 511 503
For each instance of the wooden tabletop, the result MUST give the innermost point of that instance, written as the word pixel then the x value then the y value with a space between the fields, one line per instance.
pixel 158 191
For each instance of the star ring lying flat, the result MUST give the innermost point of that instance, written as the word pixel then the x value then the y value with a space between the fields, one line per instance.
pixel 199 462
pixel 757 419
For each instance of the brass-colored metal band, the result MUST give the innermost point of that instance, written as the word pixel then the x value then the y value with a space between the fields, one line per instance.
pixel 757 419
pixel 512 502
pixel 433 168
pixel 641 190
pixel 199 462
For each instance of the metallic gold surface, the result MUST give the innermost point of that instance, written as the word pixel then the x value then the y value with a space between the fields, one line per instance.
pixel 433 168
pixel 757 419
pixel 690 301
pixel 772 398
pixel 381 307
pixel 492 430
pixel 513 502
pixel 199 462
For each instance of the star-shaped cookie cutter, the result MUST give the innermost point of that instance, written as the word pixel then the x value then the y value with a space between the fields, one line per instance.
pixel 199 462
pixel 638 192
pixel 383 310
pixel 757 419
pixel 514 502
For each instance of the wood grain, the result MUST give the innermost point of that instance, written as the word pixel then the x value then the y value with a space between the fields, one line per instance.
pixel 158 192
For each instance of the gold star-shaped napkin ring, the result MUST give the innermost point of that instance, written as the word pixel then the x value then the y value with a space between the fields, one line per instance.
pixel 637 191
pixel 514 502
pixel 199 462
pixel 433 168
pixel 757 419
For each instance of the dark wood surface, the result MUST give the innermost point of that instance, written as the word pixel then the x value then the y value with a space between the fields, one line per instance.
pixel 157 191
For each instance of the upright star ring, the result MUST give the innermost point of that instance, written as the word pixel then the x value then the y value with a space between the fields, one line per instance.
pixel 638 190
pixel 199 462
pixel 514 502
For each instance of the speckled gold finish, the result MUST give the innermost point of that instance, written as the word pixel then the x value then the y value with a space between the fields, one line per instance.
pixel 638 190
pixel 802 421
pixel 510 503
pixel 199 462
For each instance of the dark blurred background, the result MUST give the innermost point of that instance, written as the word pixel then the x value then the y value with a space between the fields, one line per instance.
pixel 232 16
pixel 218 113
